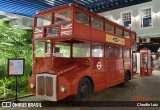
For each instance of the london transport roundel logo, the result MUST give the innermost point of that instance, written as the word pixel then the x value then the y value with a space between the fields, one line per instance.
pixel 99 65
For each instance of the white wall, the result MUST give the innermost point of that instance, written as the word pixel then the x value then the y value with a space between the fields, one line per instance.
pixel 138 62
pixel 153 31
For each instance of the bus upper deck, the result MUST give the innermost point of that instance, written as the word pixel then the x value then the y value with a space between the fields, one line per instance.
pixel 71 22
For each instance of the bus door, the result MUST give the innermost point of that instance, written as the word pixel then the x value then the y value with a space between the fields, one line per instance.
pixel 98 66
pixel 110 66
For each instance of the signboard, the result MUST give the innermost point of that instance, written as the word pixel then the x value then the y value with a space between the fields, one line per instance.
pixel 51 32
pixel 16 67
pixel 114 39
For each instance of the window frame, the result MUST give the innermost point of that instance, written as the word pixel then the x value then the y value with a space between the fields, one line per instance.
pixel 103 50
pixel 53 18
pixel 130 37
pixel 89 48
pixel 45 49
pixel 120 29
pixel 106 23
pixel 125 12
pixel 61 44
pixel 99 19
pixel 120 52
pixel 85 14
pixel 129 52
pixel 140 13
pixel 106 51
pixel 37 16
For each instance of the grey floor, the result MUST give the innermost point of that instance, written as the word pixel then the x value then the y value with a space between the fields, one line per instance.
pixel 147 87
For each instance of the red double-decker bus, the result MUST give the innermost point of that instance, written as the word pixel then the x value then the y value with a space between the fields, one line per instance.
pixel 77 52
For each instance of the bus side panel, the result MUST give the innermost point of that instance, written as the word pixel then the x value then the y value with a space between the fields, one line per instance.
pixel 98 75
pixel 82 31
pixel 98 36
pixel 110 71
pixel 119 69
pixel 128 42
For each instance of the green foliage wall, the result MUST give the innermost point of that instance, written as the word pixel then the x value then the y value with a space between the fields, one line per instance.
pixel 14 43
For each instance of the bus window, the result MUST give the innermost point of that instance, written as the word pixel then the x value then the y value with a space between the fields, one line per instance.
pixel 61 50
pixel 98 24
pixel 81 50
pixel 63 16
pixel 43 20
pixel 42 49
pixel 52 31
pixel 118 52
pixel 127 53
pixel 119 31
pixel 109 28
pixel 110 52
pixel 82 18
pixel 126 34
pixel 97 50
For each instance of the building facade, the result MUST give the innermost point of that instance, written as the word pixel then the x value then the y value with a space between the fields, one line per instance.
pixel 144 19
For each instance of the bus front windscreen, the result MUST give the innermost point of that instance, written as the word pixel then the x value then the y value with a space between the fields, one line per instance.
pixel 42 49
pixel 58 17
pixel 44 20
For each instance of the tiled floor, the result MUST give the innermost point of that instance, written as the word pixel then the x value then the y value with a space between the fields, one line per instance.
pixel 148 86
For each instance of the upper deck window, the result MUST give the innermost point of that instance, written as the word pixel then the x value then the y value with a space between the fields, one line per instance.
pixel 119 31
pixel 63 16
pixel 109 28
pixel 82 18
pixel 98 24
pixel 126 34
pixel 44 20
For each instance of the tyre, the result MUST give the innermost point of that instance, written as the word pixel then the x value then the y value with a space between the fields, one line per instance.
pixel 126 80
pixel 84 91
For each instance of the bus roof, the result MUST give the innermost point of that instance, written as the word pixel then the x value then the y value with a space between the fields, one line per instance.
pixel 82 9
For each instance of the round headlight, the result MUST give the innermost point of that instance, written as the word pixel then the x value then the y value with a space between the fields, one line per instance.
pixel 63 89
pixel 32 85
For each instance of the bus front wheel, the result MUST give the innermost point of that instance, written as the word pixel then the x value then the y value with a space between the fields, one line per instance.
pixel 84 91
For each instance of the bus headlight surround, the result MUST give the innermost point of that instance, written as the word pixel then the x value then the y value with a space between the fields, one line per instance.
pixel 63 89
pixel 32 85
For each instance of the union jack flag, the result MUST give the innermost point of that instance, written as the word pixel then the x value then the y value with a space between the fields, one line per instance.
pixel 37 30
pixel 65 33
pixel 66 26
